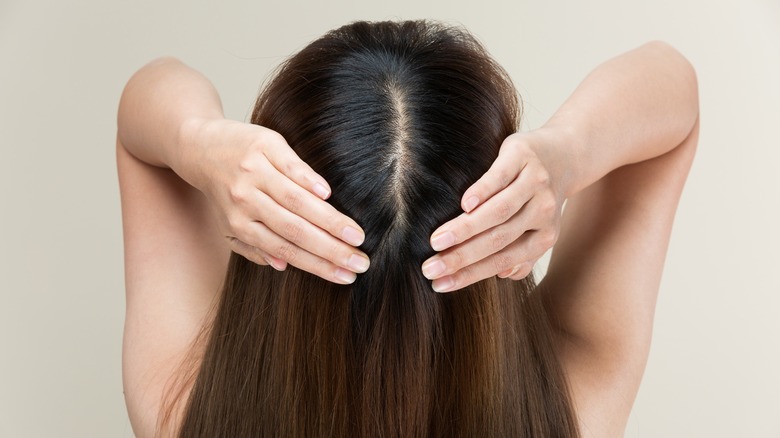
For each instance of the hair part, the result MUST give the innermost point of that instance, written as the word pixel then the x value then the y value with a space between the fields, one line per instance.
pixel 399 158
pixel 400 118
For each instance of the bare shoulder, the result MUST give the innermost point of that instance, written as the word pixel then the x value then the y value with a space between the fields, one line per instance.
pixel 603 279
pixel 175 262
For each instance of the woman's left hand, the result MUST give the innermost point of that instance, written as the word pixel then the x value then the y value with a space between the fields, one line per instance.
pixel 512 217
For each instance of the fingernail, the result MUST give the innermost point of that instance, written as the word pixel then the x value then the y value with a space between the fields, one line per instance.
pixel 470 204
pixel 433 268
pixel 275 263
pixel 321 191
pixel 358 263
pixel 509 272
pixel 443 241
pixel 345 276
pixel 444 284
pixel 352 236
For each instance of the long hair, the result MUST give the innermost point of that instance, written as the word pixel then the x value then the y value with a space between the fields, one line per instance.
pixel 400 118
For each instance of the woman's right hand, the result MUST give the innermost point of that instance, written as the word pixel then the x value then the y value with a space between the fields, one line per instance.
pixel 270 203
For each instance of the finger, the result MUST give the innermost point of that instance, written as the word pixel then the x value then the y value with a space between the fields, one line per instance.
pixel 501 173
pixel 510 272
pixel 496 210
pixel 276 246
pixel 255 255
pixel 303 234
pixel 514 254
pixel 302 203
pixel 534 215
pixel 520 271
pixel 478 247
pixel 286 161
pixel 524 270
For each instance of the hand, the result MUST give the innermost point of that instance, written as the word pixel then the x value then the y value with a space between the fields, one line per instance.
pixel 512 217
pixel 270 203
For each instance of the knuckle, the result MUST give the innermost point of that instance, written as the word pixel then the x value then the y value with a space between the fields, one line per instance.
pixel 466 226
pixel 322 268
pixel 457 258
pixel 286 252
pixel 234 222
pixel 248 164
pixel 318 266
pixel 293 232
pixel 237 194
pixel 272 141
pixel 502 262
pixel 543 177
pixel 463 277
pixel 292 201
pixel 257 149
pixel 511 142
pixel 272 136
pixel 522 150
pixel 293 169
pixel 505 177
pixel 499 239
pixel 337 222
pixel 502 211
pixel 523 272
pixel 266 136
pixel 338 252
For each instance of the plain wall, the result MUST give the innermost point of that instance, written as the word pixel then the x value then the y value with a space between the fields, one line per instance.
pixel 714 368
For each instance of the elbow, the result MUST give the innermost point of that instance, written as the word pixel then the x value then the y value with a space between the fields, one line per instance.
pixel 686 90
pixel 140 79
pixel 685 83
pixel 684 73
pixel 149 70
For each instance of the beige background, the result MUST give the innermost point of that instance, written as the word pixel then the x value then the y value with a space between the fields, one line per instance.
pixel 714 369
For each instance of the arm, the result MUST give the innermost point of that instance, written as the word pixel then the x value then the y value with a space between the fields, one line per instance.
pixel 270 203
pixel 156 103
pixel 602 283
pixel 175 154
pixel 634 107
pixel 637 121
pixel 620 149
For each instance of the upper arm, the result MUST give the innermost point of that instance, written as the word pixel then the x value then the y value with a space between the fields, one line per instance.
pixel 175 261
pixel 603 279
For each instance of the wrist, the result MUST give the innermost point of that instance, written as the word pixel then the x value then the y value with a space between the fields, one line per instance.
pixel 559 149
pixel 190 149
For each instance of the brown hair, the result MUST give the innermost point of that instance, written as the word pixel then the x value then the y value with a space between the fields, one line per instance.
pixel 400 118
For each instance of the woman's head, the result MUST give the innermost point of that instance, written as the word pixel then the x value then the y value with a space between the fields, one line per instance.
pixel 399 118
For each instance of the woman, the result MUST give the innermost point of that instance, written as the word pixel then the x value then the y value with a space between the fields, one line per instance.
pixel 408 130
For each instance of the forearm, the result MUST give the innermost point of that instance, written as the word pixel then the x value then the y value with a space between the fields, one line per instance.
pixel 156 103
pixel 634 107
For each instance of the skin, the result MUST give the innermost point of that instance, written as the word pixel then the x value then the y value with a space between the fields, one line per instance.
pixel 195 186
